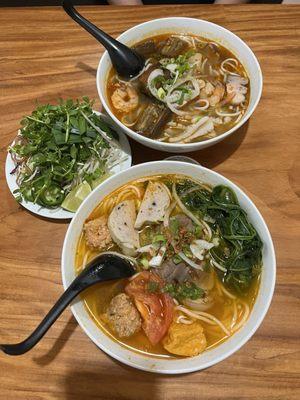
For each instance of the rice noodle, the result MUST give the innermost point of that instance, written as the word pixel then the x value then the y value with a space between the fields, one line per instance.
pixel 203 64
pixel 234 316
pixel 175 110
pixel 217 265
pixel 128 189
pixel 175 302
pixel 202 108
pixel 200 304
pixel 85 258
pixel 203 130
pixel 168 213
pixel 186 39
pixel 204 317
pixel 190 214
pixel 180 82
pixel 193 42
pixel 227 293
pixel 229 61
pixel 244 318
pixel 147 66
pixel 134 189
pixel 153 75
pixel 181 319
pixel 220 114
pixel 199 40
pixel 134 276
pixel 190 130
pixel 239 117
pixel 195 315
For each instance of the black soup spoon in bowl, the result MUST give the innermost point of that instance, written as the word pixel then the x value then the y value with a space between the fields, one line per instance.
pixel 105 267
pixel 127 62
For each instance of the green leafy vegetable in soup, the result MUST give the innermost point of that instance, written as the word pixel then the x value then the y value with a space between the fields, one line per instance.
pixel 238 257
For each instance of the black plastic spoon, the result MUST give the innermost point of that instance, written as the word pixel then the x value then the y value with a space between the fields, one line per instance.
pixel 105 267
pixel 126 61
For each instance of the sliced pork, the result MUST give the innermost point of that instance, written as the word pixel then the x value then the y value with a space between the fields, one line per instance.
pixel 172 273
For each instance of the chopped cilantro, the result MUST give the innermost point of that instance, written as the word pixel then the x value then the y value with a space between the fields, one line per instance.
pixel 153 287
pixel 174 226
pixel 197 230
pixel 187 252
pixel 177 259
pixel 144 262
pixel 186 290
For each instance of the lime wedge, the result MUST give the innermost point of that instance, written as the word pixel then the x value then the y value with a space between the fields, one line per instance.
pixel 76 197
pixel 102 178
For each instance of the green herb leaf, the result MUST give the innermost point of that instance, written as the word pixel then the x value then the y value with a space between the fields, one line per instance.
pixel 153 287
pixel 56 142
pixel 182 291
pixel 159 238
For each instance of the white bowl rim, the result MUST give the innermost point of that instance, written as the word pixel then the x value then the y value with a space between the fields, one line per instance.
pixel 226 353
pixel 187 146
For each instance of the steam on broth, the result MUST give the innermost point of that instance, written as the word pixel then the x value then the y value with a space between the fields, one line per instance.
pixel 198 262
pixel 191 89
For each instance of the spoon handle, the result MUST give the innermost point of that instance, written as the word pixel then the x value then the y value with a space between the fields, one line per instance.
pixel 107 41
pixel 77 286
pixel 126 61
pixel 105 267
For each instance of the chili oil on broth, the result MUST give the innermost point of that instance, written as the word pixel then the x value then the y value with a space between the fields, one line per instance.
pixel 97 298
pixel 179 123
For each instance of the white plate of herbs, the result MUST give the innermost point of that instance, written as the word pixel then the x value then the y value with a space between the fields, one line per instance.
pixel 61 153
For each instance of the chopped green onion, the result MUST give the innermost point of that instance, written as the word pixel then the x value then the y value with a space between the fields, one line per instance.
pixel 144 262
pixel 177 259
pixel 159 238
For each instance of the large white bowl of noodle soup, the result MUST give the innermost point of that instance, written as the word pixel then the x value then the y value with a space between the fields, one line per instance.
pixel 189 26
pixel 150 363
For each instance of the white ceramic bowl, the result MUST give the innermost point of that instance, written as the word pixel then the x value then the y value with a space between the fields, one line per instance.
pixel 153 364
pixel 198 27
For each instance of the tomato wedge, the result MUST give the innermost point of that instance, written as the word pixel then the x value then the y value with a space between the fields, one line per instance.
pixel 155 307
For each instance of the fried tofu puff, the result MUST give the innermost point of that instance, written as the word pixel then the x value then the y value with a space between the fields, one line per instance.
pixel 184 340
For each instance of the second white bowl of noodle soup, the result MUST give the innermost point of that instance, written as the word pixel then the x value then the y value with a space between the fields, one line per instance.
pixel 200 28
pixel 173 365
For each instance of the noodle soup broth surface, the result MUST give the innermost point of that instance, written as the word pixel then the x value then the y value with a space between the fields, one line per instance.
pixel 229 307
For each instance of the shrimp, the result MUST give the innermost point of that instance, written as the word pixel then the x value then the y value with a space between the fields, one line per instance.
pixel 125 98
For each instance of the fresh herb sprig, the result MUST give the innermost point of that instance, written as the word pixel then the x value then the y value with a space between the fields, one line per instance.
pixel 58 148
pixel 179 291
pixel 182 291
